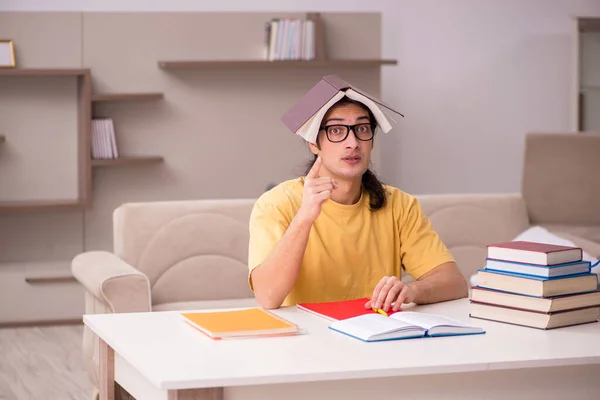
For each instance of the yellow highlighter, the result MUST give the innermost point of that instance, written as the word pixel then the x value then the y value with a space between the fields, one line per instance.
pixel 380 311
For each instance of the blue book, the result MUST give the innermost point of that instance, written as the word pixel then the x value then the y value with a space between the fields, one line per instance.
pixel 546 271
pixel 536 286
pixel 402 325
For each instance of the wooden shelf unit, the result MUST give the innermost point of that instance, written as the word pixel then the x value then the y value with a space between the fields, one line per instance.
pixel 260 64
pixel 87 101
pixel 84 112
pixel 127 161
pixel 114 97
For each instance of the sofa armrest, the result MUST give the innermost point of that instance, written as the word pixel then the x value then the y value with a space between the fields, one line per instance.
pixel 114 282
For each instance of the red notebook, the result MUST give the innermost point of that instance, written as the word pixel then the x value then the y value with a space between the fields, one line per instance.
pixel 534 253
pixel 339 310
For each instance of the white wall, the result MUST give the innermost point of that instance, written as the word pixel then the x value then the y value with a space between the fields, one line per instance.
pixel 473 77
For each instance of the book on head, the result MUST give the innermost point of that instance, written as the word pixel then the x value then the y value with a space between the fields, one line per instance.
pixel 534 252
pixel 233 323
pixel 405 325
pixel 305 117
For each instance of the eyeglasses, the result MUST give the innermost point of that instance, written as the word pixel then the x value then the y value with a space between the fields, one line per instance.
pixel 339 133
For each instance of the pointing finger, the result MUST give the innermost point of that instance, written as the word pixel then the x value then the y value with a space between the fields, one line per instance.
pixel 314 170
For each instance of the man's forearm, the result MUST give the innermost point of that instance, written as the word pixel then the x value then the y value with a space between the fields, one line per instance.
pixel 444 283
pixel 276 276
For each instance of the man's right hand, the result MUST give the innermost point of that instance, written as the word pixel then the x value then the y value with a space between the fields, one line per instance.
pixel 316 191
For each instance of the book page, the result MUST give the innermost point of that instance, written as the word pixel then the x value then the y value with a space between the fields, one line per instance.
pixel 365 326
pixel 428 321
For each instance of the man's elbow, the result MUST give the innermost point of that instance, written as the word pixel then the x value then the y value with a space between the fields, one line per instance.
pixel 462 287
pixel 268 303
pixel 266 300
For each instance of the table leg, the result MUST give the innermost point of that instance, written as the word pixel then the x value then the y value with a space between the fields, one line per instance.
pixel 106 371
pixel 197 394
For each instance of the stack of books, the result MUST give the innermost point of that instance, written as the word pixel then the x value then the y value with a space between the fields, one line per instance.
pixel 537 285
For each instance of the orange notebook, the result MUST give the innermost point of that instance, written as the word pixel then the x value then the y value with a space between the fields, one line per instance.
pixel 239 323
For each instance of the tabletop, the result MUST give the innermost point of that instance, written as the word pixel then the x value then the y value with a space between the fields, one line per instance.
pixel 171 354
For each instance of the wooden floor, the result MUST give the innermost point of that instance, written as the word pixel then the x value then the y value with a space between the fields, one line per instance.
pixel 43 363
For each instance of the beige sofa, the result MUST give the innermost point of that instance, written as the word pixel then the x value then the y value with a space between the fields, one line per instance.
pixel 192 254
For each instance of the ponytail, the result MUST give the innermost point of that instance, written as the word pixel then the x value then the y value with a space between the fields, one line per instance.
pixel 375 188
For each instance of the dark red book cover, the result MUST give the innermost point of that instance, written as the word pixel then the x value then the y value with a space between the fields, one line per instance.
pixel 317 97
pixel 533 246
pixel 339 310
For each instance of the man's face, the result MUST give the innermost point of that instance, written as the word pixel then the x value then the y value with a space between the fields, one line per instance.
pixel 350 157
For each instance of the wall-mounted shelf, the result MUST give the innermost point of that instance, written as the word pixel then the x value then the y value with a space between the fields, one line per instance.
pixel 247 64
pixel 126 161
pixel 44 71
pixel 107 97
pixel 50 279
pixel 42 205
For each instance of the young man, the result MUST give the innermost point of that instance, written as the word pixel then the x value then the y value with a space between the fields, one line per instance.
pixel 339 234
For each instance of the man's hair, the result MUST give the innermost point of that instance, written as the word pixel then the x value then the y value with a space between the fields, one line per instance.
pixel 370 183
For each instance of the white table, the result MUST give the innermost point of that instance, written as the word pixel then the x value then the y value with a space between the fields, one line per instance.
pixel 158 356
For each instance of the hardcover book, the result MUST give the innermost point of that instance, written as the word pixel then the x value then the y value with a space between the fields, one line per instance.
pixel 534 252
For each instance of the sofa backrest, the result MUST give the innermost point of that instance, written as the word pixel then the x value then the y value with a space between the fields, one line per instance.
pixel 177 244
pixel 197 250
pixel 467 223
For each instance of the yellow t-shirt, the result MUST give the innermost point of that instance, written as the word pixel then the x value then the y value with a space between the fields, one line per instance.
pixel 350 248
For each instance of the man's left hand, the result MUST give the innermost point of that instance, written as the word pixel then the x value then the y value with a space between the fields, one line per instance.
pixel 391 292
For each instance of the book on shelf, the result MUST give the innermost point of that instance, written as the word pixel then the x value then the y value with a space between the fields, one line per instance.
pixel 339 310
pixel 103 140
pixel 536 285
pixel 290 39
pixel 238 323
pixel 375 327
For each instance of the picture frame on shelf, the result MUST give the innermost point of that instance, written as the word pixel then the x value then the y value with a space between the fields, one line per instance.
pixel 7 54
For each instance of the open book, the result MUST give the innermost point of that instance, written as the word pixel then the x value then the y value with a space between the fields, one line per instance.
pixel 404 325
